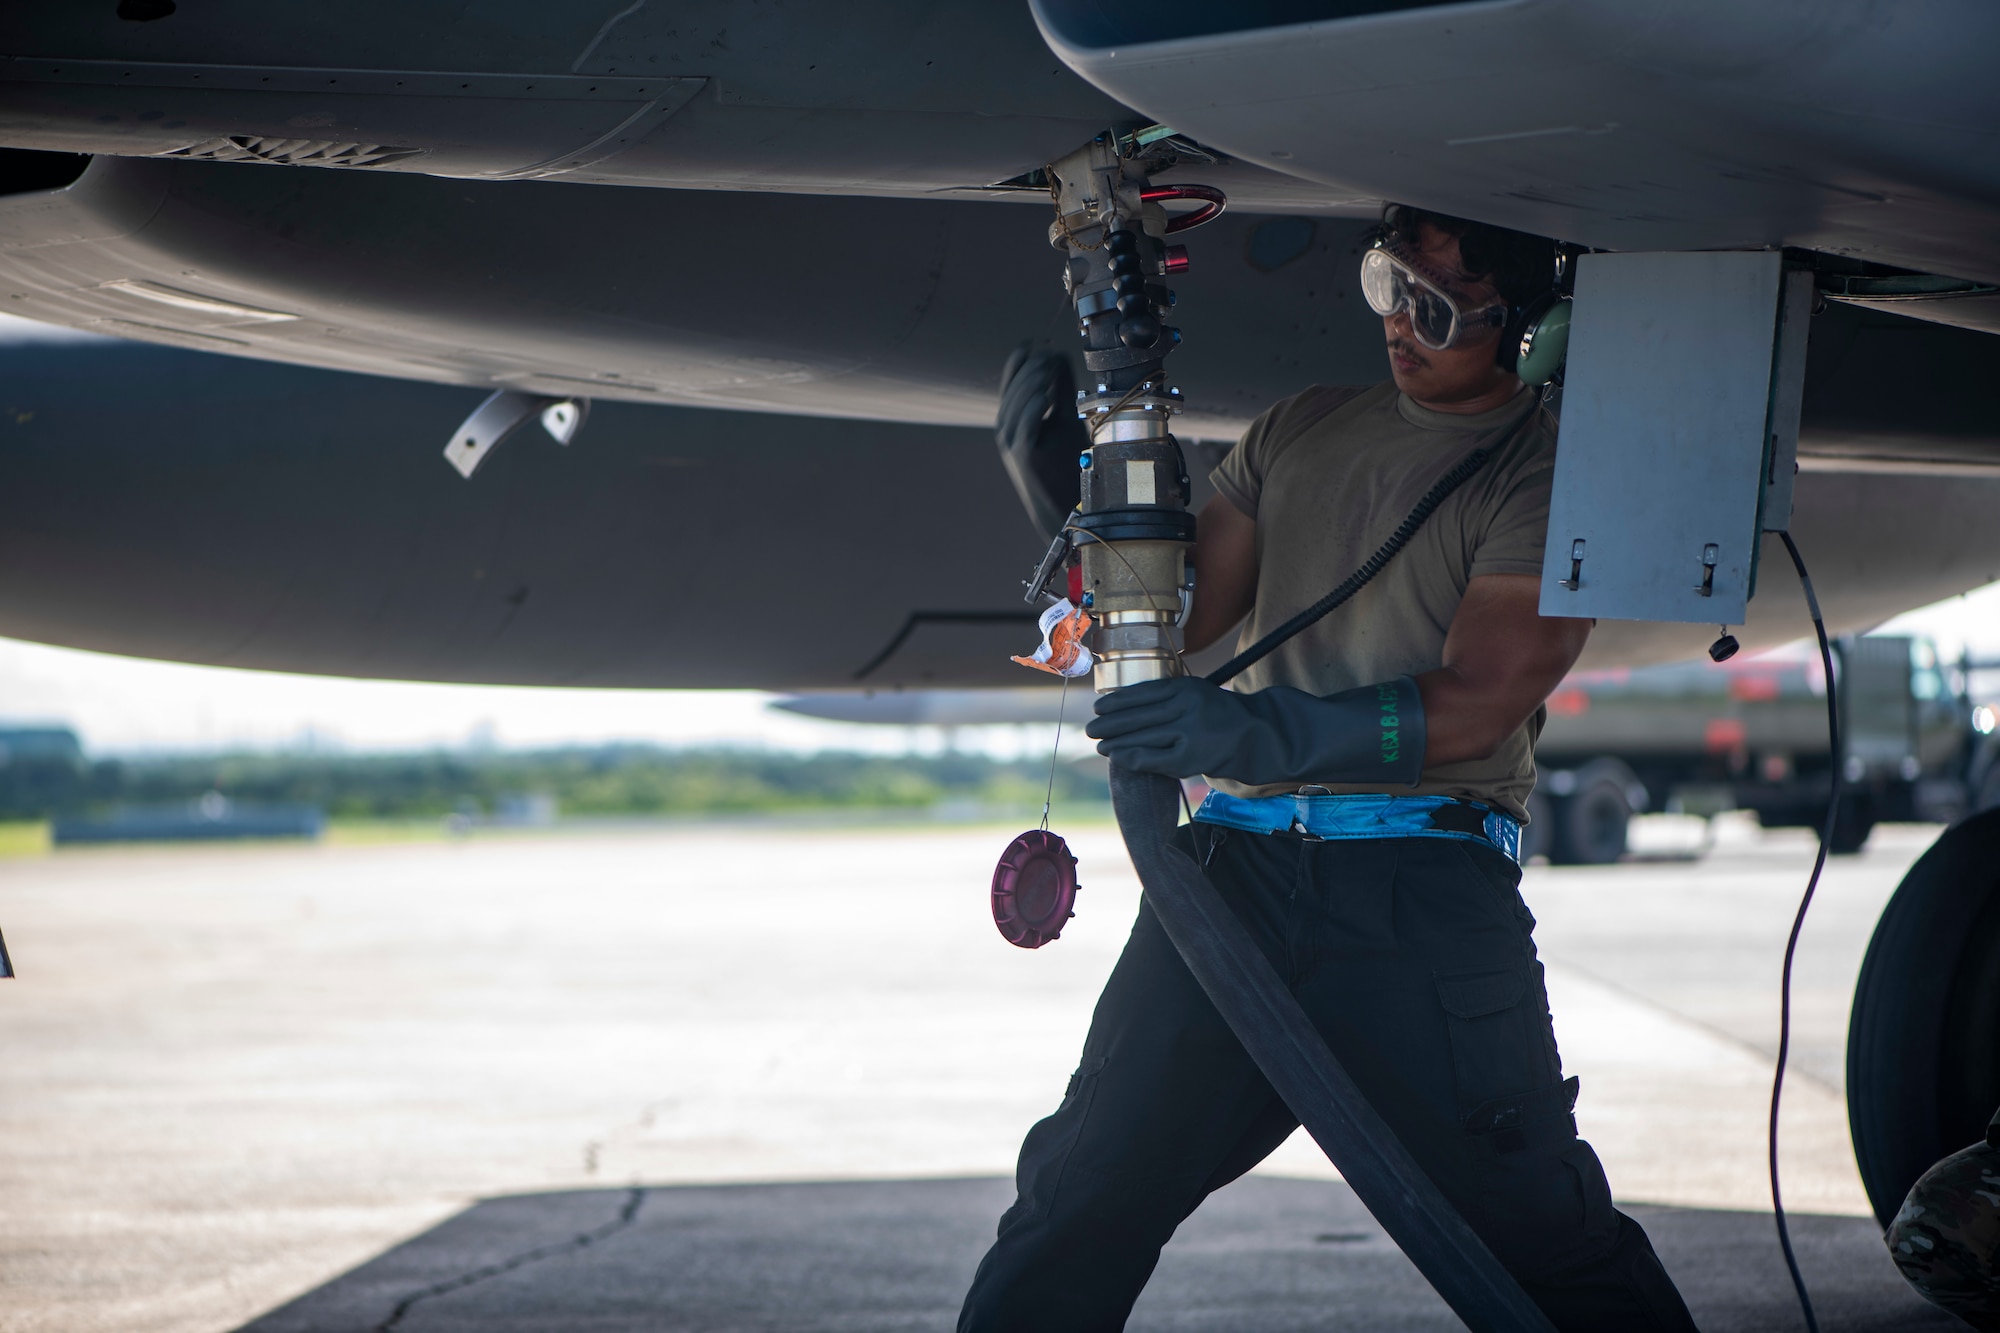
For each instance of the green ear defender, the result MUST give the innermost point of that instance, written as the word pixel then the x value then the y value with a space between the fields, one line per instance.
pixel 1541 339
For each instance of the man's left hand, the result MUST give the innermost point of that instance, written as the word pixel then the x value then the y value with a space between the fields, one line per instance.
pixel 1179 728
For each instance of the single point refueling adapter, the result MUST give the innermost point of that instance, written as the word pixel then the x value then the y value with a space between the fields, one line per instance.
pixel 1122 556
pixel 1131 531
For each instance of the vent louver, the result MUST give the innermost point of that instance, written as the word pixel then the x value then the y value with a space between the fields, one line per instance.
pixel 292 152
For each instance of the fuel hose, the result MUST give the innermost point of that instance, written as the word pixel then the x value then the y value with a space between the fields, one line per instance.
pixel 1274 1029
pixel 1265 1016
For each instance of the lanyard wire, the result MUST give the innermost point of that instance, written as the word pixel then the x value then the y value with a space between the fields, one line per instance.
pixel 1049 796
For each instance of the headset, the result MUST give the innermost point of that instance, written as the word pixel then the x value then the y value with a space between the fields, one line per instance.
pixel 1535 343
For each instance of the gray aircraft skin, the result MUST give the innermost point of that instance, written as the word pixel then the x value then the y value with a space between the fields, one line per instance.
pixel 785 250
pixel 678 297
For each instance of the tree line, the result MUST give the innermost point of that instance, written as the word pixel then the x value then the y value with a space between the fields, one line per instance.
pixel 595 780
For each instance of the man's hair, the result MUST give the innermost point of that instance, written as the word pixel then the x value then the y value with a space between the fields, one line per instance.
pixel 1521 266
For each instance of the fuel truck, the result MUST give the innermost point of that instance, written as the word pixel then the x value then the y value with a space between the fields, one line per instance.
pixel 1701 738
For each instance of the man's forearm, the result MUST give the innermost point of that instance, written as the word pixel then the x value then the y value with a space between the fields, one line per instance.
pixel 1472 720
pixel 1186 726
pixel 1502 659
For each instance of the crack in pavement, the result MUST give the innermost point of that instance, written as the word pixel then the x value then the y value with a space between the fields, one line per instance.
pixel 634 1197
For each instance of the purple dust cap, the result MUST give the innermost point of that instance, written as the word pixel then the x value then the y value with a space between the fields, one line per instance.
pixel 1034 889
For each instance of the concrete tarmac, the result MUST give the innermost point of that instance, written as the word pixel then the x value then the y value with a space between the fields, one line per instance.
pixel 757 1078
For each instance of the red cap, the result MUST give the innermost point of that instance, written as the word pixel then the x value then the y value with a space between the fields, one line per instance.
pixel 1034 889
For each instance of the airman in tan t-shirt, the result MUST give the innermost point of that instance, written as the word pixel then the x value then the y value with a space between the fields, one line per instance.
pixel 1327 475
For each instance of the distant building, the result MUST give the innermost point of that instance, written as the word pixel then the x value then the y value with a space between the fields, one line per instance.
pixel 20 745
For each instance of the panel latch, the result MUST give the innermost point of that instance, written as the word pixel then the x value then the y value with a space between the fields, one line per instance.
pixel 1575 579
pixel 1710 554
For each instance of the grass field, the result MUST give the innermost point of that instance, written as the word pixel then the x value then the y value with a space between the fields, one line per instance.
pixel 24 837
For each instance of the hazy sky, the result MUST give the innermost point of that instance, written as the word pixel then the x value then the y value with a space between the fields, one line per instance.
pixel 122 703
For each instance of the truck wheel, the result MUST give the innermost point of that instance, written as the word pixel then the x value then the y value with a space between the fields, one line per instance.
pixel 1590 823
pixel 1988 795
pixel 1852 824
pixel 1540 828
pixel 1923 1041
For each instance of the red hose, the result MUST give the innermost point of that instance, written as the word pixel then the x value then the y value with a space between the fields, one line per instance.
pixel 1213 202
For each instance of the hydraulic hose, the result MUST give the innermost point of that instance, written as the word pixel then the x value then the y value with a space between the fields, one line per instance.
pixel 1798 924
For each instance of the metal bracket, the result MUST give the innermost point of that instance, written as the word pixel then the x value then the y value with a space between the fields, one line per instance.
pixel 1788 388
pixel 1053 561
pixel 504 412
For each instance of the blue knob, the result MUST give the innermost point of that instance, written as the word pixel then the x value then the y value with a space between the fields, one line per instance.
pixel 1089 600
pixel 1083 461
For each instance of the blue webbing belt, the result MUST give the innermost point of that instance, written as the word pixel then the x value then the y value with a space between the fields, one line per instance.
pixel 1331 817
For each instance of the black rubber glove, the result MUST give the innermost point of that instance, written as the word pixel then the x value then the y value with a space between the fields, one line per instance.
pixel 1186 726
pixel 1041 437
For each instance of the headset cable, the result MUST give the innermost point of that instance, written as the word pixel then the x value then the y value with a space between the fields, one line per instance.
pixel 1798 923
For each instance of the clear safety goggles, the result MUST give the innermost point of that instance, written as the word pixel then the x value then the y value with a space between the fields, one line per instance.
pixel 1436 317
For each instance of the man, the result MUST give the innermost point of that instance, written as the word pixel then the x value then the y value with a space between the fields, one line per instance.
pixel 1369 776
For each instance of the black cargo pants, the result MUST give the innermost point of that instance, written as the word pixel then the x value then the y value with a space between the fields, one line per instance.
pixel 1414 957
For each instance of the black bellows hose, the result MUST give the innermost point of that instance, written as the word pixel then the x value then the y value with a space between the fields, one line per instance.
pixel 1274 1029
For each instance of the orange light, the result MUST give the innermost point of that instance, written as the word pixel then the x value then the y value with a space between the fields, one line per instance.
pixel 1569 703
pixel 1723 735
pixel 1753 689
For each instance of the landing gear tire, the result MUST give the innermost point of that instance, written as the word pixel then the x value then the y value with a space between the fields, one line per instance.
pixel 1923 1042
pixel 1591 824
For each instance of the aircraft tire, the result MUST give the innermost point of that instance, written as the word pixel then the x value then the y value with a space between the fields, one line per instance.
pixel 1923 1041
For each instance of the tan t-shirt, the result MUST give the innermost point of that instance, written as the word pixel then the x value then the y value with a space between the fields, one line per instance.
pixel 1327 488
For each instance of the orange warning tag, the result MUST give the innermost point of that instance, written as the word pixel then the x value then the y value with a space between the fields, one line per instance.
pixel 1062 652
